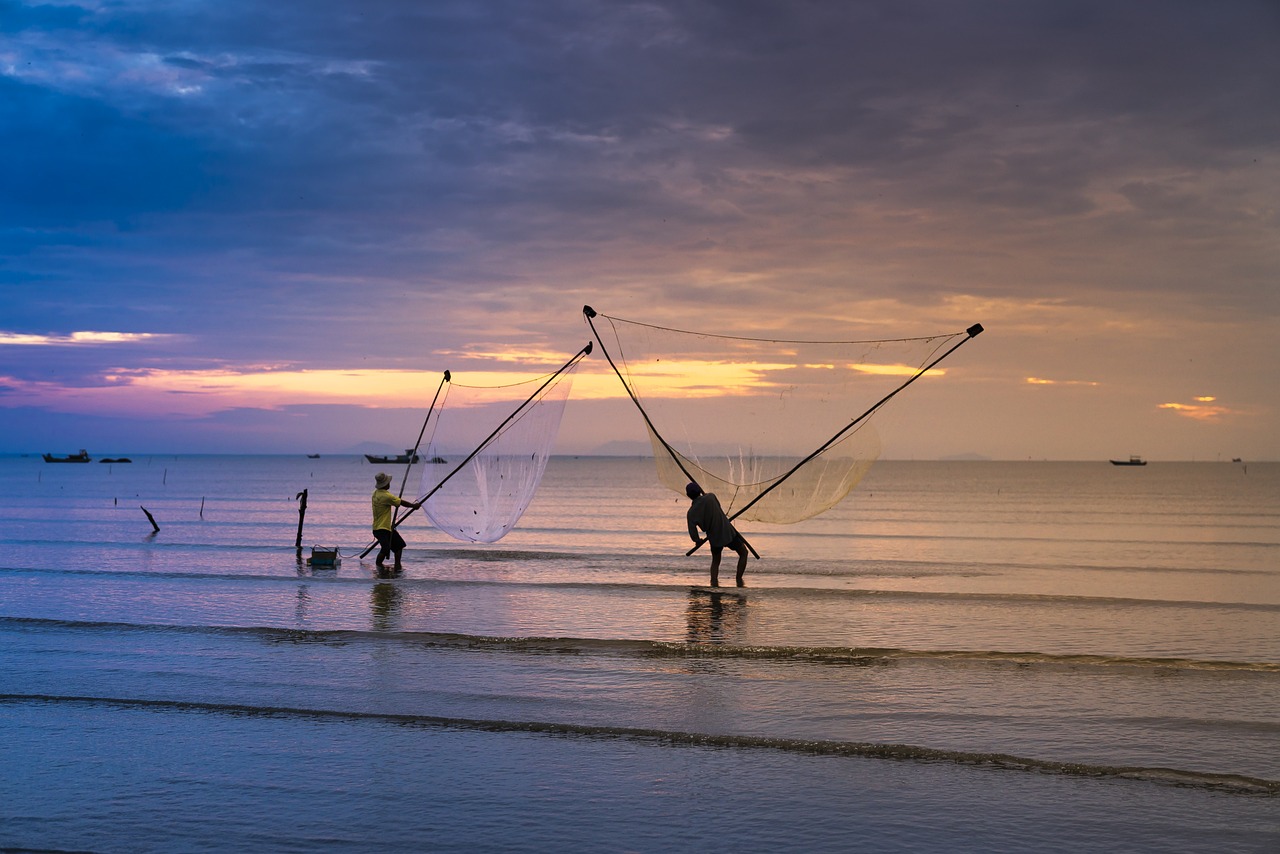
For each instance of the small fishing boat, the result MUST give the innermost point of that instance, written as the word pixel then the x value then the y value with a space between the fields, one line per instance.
pixel 313 456
pixel 82 457
pixel 1133 460
pixel 408 456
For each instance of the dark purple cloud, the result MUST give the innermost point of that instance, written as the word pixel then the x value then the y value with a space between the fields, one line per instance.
pixel 338 184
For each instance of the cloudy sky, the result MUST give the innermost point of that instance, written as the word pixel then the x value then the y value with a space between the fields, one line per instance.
pixel 269 227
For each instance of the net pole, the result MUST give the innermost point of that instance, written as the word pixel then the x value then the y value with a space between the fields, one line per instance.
pixel 573 361
pixel 414 453
pixel 589 313
pixel 972 332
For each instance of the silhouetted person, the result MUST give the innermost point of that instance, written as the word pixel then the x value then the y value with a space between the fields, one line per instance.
pixel 384 504
pixel 705 513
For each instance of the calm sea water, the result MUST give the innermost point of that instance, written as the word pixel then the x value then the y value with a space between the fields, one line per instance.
pixel 961 656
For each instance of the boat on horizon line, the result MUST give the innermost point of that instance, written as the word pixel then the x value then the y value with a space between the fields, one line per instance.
pixel 313 456
pixel 1134 460
pixel 82 457
pixel 409 456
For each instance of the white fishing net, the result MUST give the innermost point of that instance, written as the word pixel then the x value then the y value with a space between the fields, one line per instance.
pixel 739 414
pixel 483 497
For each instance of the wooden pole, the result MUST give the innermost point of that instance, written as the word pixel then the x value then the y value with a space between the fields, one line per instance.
pixel 302 514
pixel 414 453
pixel 151 519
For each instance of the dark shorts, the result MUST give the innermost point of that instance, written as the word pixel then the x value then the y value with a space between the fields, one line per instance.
pixel 738 544
pixel 389 540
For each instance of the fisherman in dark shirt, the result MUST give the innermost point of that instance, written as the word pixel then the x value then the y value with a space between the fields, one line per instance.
pixel 705 513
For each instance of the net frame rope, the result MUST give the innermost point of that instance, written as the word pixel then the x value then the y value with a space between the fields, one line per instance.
pixel 669 460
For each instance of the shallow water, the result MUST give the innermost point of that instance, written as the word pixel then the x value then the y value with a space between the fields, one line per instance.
pixel 969 656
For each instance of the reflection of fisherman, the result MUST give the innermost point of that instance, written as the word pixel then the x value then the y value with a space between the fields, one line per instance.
pixel 384 602
pixel 705 513
pixel 384 504
pixel 714 617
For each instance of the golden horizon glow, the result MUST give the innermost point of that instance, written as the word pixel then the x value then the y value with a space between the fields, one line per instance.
pixel 377 389
pixel 203 391
pixel 694 378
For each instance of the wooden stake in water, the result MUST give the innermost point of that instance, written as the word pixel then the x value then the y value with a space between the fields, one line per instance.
pixel 302 512
pixel 151 519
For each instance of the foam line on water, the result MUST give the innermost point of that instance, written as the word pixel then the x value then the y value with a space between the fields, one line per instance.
pixel 326 576
pixel 1227 783
pixel 818 655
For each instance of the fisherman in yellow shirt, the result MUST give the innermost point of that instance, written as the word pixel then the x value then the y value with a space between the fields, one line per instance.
pixel 384 504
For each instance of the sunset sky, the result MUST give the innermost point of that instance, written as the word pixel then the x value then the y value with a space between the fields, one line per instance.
pixel 268 227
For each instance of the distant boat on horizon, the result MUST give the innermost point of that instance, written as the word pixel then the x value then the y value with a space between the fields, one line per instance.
pixel 313 456
pixel 82 457
pixel 1134 460
pixel 403 459
pixel 409 456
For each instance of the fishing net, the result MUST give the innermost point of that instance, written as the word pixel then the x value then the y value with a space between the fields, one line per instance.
pixel 483 491
pixel 779 430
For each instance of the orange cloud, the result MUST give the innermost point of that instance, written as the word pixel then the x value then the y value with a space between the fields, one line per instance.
pixel 1202 410
pixel 896 370
pixel 1042 381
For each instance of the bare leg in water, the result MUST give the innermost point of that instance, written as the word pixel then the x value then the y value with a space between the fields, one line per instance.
pixel 741 548
pixel 738 547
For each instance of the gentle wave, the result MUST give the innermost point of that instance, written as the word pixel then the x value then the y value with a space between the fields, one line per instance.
pixel 773 565
pixel 1230 783
pixel 333 576
pixel 852 656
